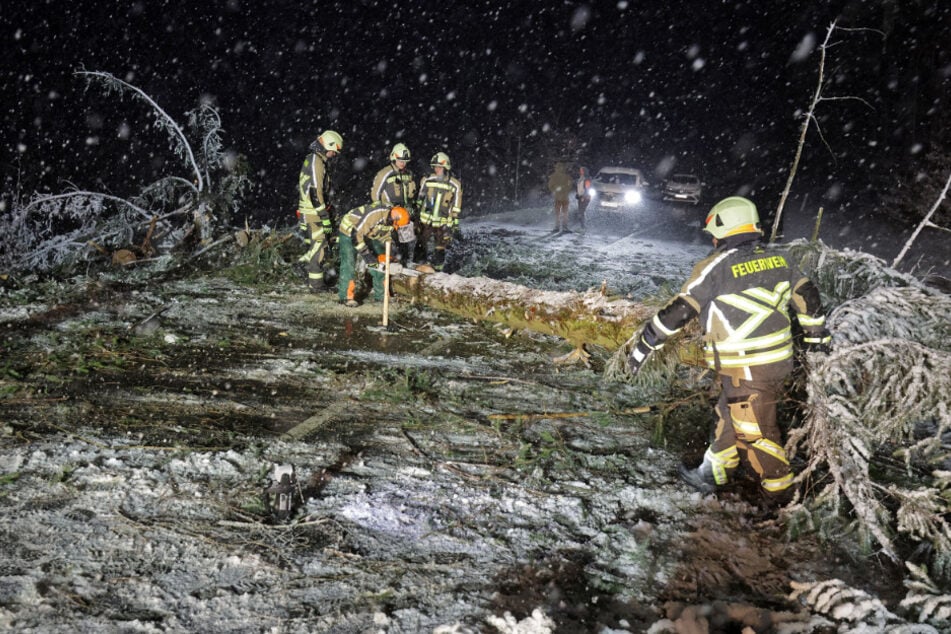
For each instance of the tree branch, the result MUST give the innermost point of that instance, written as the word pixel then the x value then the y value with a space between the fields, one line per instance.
pixel 924 223
pixel 169 121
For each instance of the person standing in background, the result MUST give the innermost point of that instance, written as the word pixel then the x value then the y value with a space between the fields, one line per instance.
pixel 560 185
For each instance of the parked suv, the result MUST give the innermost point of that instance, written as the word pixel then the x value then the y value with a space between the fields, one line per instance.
pixel 683 188
pixel 617 188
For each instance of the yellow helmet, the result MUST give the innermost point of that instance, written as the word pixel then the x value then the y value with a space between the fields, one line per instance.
pixel 400 153
pixel 331 141
pixel 731 216
pixel 440 159
pixel 399 217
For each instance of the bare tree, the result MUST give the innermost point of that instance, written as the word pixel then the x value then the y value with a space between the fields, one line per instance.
pixel 809 118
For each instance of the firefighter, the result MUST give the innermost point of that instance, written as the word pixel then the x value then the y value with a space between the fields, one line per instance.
pixel 314 210
pixel 743 295
pixel 394 184
pixel 440 196
pixel 582 195
pixel 362 237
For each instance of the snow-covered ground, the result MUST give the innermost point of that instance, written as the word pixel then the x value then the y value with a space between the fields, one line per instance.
pixel 134 505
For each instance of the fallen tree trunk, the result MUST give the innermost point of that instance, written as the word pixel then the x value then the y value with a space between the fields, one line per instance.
pixel 582 319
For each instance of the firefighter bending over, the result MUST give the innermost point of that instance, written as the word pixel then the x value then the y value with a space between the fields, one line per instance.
pixel 364 232
pixel 743 295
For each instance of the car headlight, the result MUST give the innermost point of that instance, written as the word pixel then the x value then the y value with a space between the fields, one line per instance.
pixel 592 192
pixel 632 196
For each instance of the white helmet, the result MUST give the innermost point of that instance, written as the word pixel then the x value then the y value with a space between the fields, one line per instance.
pixel 400 153
pixel 330 141
pixel 440 159
pixel 731 216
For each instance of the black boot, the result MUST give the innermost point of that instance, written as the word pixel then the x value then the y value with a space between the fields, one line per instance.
pixel 700 478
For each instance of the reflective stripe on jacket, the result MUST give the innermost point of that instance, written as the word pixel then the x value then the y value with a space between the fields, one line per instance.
pixel 744 295
pixel 313 185
pixel 366 221
pixel 393 186
pixel 441 200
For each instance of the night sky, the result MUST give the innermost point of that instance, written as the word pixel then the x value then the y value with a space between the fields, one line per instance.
pixel 505 87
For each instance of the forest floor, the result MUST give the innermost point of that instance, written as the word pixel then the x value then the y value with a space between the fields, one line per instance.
pixel 452 477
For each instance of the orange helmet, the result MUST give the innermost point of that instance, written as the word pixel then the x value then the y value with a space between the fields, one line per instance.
pixel 399 217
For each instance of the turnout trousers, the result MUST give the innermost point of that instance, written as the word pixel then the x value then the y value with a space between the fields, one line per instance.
pixel 348 284
pixel 561 215
pixel 440 236
pixel 313 258
pixel 746 429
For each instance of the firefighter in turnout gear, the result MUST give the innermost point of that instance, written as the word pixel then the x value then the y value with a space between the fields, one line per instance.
pixel 743 295
pixel 440 197
pixel 313 208
pixel 362 236
pixel 395 184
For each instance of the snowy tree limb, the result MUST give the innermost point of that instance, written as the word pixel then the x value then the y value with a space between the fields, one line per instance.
pixel 166 121
pixel 146 215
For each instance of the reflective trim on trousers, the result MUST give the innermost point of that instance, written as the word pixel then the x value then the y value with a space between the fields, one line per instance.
pixel 773 485
pixel 722 462
pixel 767 446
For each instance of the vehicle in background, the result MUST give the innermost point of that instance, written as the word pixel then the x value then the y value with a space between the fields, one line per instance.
pixel 617 188
pixel 683 188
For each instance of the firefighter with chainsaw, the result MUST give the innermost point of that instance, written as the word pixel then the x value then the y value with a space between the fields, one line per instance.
pixel 314 211
pixel 743 295
pixel 440 201
pixel 363 234
pixel 395 184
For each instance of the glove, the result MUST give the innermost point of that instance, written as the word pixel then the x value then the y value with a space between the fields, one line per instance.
pixel 638 357
pixel 817 341
pixel 368 257
pixel 820 347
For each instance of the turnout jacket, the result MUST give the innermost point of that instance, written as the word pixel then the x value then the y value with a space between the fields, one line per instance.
pixel 366 222
pixel 313 185
pixel 441 200
pixel 393 186
pixel 745 297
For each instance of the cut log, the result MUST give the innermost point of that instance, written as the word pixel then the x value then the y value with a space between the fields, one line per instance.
pixel 582 319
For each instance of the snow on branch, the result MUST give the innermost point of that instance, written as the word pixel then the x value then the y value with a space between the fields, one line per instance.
pixel 881 395
pixel 56 230
pixel 162 119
